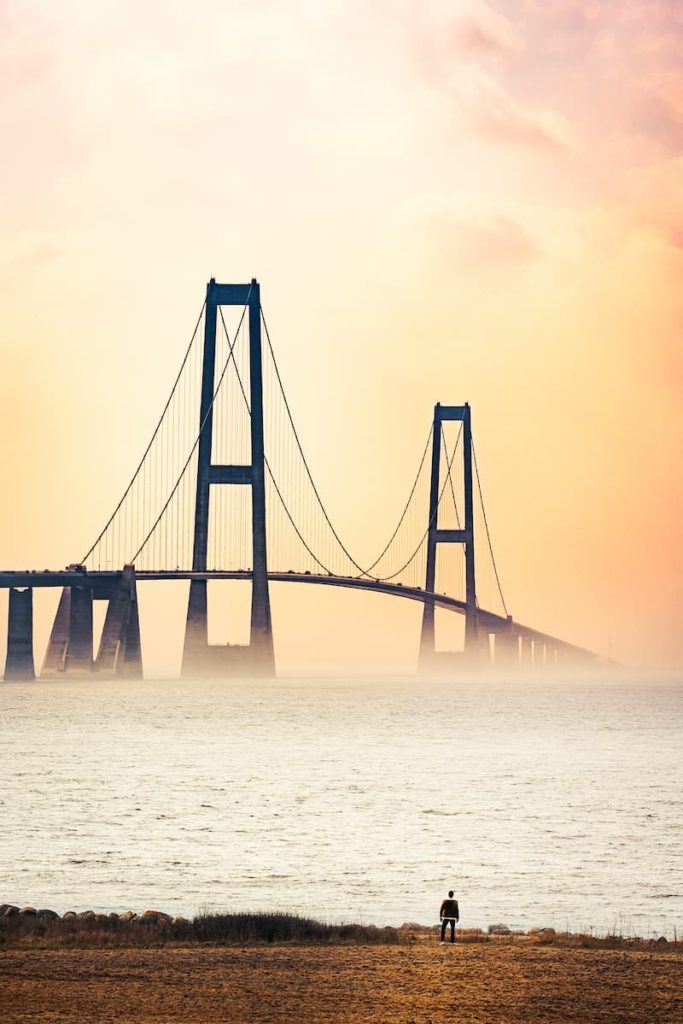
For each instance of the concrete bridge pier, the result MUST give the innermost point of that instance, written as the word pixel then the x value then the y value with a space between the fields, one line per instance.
pixel 19 662
pixel 79 654
pixel 525 652
pixel 202 659
pixel 119 652
pixel 506 651
pixel 196 628
pixel 70 647
pixel 54 662
pixel 484 659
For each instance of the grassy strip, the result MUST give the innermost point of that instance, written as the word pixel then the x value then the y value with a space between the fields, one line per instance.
pixel 157 929
pixel 153 928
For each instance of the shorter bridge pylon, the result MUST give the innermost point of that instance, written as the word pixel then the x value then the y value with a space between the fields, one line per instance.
pixel 473 652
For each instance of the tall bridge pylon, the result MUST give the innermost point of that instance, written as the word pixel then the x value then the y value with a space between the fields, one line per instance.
pixel 199 657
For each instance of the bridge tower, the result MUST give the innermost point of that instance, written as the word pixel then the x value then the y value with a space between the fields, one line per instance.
pixel 199 657
pixel 465 536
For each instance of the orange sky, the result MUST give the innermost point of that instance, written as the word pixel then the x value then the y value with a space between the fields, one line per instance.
pixel 442 200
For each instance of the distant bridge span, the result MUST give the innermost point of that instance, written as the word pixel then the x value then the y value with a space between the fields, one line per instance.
pixel 104 582
pixel 181 507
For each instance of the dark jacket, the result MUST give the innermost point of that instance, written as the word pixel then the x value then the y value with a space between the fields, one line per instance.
pixel 449 908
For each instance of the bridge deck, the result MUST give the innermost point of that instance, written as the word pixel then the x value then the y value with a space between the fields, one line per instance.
pixel 102 580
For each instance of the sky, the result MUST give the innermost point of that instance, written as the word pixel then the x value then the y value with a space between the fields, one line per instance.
pixel 443 201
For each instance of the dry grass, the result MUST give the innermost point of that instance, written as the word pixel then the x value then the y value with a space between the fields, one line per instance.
pixel 91 931
pixel 102 930
pixel 494 981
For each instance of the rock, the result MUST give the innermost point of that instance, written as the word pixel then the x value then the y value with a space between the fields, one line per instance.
pixel 498 929
pixel 28 911
pixel 128 916
pixel 86 915
pixel 113 916
pixel 69 915
pixel 10 910
pixel 155 917
pixel 543 933
pixel 50 914
pixel 661 941
pixel 180 921
pixel 102 918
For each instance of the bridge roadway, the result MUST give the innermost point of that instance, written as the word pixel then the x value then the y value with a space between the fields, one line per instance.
pixel 101 582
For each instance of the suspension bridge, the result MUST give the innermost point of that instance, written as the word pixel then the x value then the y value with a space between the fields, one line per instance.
pixel 224 491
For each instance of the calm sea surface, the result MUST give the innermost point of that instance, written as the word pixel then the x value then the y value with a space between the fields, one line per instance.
pixel 541 803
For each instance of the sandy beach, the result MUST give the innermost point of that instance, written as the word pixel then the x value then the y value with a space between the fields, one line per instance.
pixel 423 984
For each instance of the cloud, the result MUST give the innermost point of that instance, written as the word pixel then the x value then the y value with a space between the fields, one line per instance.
pixel 484 32
pixel 492 240
pixel 569 14
pixel 497 114
pixel 658 114
pixel 439 37
pixel 462 231
pixel 27 249
pixel 653 197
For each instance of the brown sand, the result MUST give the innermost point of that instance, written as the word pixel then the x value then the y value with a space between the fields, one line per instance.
pixel 424 984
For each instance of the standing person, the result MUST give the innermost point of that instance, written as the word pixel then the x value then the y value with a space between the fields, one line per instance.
pixel 449 914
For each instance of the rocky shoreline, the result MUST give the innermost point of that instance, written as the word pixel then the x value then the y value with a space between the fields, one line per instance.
pixel 29 924
pixel 153 917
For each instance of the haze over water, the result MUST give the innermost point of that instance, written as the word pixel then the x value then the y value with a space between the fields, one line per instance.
pixel 541 802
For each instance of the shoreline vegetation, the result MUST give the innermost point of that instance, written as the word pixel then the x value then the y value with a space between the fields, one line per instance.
pixel 45 929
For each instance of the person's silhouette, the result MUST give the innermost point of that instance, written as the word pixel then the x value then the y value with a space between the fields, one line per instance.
pixel 449 914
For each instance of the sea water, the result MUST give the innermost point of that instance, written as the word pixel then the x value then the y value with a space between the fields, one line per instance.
pixel 540 802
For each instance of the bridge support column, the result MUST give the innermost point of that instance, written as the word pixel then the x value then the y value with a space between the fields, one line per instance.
pixel 525 651
pixel 119 653
pixel 507 647
pixel 539 654
pixel 196 628
pixel 79 654
pixel 19 663
pixel 484 659
pixel 54 662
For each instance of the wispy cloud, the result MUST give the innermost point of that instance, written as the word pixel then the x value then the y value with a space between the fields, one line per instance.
pixel 27 249
pixel 484 31
pixel 507 120
pixel 462 232
pixel 653 196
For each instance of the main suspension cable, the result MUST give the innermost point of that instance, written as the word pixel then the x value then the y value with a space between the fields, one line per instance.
pixel 336 536
pixel 486 525
pixel 152 439
pixel 450 478
pixel 201 428
pixel 407 504
pixel 432 518
pixel 267 464
pixel 363 572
